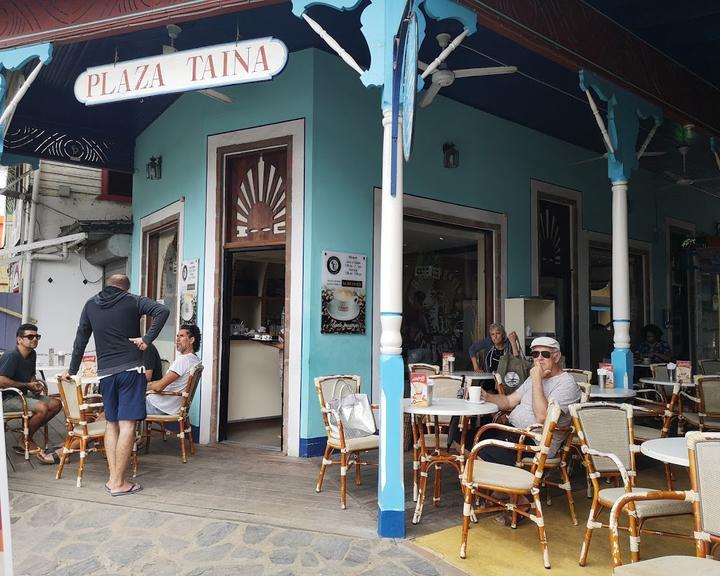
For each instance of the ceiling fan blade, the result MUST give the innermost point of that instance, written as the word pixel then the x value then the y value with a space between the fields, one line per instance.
pixel 422 65
pixel 588 160
pixel 673 176
pixel 659 153
pixel 491 71
pixel 713 179
pixel 427 95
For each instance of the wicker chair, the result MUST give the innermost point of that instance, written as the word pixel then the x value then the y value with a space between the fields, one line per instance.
pixel 581 376
pixel 81 424
pixel 659 371
pixel 350 449
pixel 606 433
pixel 707 402
pixel 704 457
pixel 24 415
pixel 429 369
pixel 155 423
pixel 709 367
pixel 482 479
pixel 435 439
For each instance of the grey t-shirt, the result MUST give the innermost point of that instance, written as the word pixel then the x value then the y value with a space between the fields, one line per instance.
pixel 561 388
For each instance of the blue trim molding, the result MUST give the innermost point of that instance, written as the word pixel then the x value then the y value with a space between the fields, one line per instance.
pixel 311 447
pixel 391 523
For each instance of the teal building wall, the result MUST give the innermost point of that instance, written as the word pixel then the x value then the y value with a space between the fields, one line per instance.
pixel 343 165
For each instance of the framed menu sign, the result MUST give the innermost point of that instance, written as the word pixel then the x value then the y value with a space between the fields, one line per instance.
pixel 343 293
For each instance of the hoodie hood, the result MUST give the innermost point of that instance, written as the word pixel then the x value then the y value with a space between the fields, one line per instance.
pixel 109 296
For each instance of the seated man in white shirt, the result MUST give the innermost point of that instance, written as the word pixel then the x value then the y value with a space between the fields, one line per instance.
pixel 187 343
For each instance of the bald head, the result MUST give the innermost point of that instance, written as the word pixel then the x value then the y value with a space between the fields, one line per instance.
pixel 119 281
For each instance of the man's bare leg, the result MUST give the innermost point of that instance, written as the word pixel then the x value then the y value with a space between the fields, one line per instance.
pixel 123 449
pixel 112 432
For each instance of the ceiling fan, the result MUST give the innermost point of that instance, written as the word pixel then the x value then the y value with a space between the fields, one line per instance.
pixel 604 157
pixel 441 76
pixel 683 180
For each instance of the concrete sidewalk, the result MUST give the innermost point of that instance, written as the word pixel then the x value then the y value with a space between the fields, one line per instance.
pixel 230 510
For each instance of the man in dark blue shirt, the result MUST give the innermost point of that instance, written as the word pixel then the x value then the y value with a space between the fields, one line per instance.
pixel 17 370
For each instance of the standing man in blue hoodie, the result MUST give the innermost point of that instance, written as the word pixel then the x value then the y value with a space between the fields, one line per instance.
pixel 113 316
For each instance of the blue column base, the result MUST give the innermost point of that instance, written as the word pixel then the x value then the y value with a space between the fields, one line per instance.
pixel 622 362
pixel 391 523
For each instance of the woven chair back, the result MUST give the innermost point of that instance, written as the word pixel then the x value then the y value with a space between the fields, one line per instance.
pixel 710 366
pixel 192 385
pixel 585 389
pixel 581 376
pixel 445 386
pixel 606 427
pixel 705 451
pixel 708 391
pixel 418 368
pixel 659 371
pixel 330 387
pixel 551 419
pixel 71 396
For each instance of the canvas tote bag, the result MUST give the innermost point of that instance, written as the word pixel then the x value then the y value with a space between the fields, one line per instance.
pixel 353 410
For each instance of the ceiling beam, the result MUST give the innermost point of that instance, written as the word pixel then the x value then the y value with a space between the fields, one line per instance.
pixel 575 35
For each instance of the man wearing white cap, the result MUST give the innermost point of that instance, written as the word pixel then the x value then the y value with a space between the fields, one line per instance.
pixel 529 403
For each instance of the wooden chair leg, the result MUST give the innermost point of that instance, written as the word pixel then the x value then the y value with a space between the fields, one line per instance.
pixel 343 479
pixel 568 492
pixel 64 457
pixel 541 529
pixel 323 467
pixel 358 465
pixel 188 427
pixel 437 485
pixel 595 509
pixel 26 436
pixel 148 431
pixel 467 508
pixel 181 436
pixel 46 445
pixel 634 535
pixel 422 491
pixel 83 455
pixel 164 432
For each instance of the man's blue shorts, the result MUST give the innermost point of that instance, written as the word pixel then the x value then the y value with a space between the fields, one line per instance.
pixel 124 396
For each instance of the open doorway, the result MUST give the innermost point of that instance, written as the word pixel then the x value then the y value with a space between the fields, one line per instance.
pixel 252 371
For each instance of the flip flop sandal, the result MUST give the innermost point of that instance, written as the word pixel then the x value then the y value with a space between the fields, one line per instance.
pixel 505 519
pixel 43 457
pixel 132 490
pixel 20 450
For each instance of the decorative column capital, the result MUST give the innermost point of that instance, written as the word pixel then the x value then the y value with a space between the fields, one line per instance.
pixel 624 112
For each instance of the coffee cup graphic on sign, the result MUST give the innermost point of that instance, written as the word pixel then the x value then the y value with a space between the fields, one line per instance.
pixel 344 305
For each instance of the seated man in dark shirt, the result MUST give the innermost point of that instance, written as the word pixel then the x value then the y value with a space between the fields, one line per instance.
pixel 152 363
pixel 17 370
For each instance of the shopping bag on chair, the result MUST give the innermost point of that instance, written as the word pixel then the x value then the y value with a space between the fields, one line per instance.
pixel 353 410
pixel 514 370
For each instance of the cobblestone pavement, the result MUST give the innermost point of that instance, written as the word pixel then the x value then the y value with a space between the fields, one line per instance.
pixel 58 536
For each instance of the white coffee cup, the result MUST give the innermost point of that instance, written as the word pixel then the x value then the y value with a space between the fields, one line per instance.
pixel 344 303
pixel 474 394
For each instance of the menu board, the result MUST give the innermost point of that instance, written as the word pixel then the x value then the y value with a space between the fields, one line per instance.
pixel 418 389
pixel 683 371
pixel 343 293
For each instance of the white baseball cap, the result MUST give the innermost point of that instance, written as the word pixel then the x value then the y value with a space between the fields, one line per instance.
pixel 545 341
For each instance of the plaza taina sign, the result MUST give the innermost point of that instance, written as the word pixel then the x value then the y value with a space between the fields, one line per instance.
pixel 207 67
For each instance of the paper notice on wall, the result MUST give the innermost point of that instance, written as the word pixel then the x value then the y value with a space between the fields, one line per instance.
pixel 188 291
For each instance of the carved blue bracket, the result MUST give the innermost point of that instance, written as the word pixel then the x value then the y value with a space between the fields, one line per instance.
pixel 380 22
pixel 625 111
pixel 14 59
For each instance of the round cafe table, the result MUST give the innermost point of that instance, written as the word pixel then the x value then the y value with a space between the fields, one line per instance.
pixel 598 392
pixel 653 382
pixel 668 450
pixel 424 456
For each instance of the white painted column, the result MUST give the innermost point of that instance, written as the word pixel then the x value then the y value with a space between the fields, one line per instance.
pixel 622 358
pixel 391 487
pixel 620 266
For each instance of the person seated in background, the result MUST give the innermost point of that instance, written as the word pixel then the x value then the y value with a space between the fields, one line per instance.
pixel 187 343
pixel 653 346
pixel 17 370
pixel 152 363
pixel 485 354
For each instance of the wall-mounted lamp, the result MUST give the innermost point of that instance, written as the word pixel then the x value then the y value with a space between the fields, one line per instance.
pixel 451 155
pixel 154 168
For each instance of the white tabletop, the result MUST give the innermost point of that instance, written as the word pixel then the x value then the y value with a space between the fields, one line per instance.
pixel 451 407
pixel 471 375
pixel 597 392
pixel 654 382
pixel 670 450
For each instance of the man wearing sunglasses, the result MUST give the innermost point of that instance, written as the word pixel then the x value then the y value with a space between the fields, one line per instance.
pixel 528 404
pixel 17 370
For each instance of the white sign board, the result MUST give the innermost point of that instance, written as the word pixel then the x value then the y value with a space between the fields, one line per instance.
pixel 207 67
pixel 188 291
pixel 343 293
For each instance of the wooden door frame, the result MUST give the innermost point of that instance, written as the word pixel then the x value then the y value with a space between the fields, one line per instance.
pixel 246 140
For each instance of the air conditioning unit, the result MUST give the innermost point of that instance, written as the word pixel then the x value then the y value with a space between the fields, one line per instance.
pixel 109 249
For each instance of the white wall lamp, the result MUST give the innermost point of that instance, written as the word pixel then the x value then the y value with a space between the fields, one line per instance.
pixel 154 168
pixel 451 155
